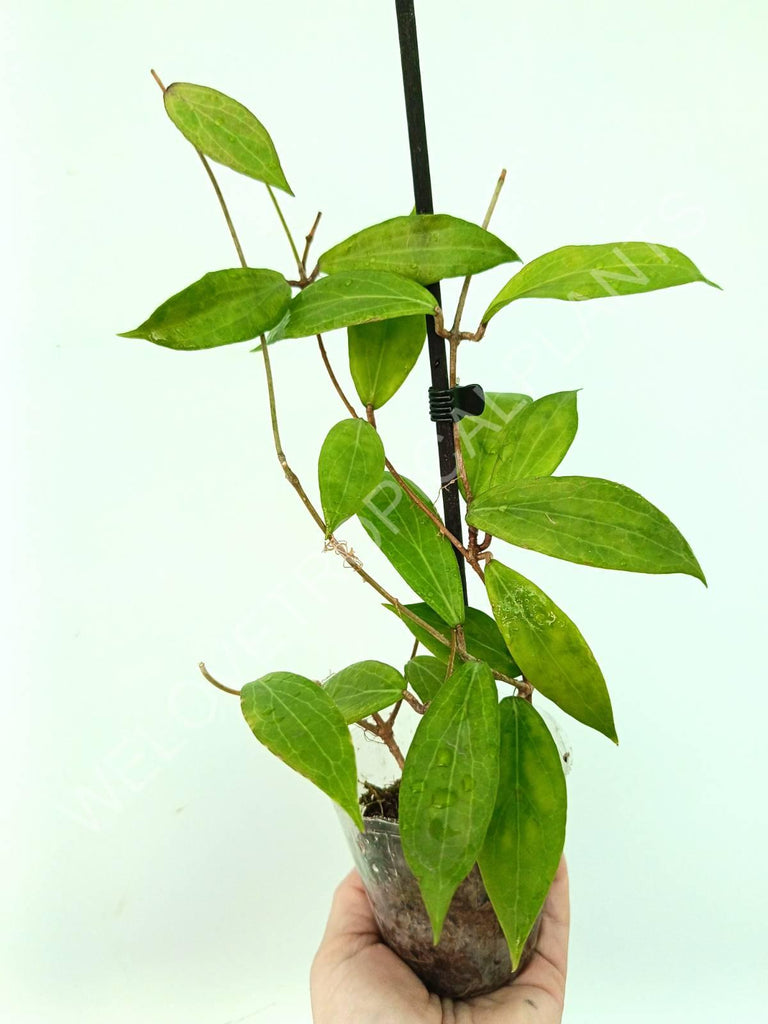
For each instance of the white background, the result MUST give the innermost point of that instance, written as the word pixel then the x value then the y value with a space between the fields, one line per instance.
pixel 157 864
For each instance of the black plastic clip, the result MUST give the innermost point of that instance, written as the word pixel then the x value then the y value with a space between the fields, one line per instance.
pixel 449 405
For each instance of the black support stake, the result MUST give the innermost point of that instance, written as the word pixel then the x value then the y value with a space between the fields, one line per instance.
pixel 422 193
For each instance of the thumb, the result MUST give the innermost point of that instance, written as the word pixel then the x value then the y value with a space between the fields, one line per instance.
pixel 351 917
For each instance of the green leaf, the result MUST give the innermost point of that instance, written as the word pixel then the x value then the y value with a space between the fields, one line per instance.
pixel 586 520
pixel 363 688
pixel 549 649
pixel 525 838
pixel 414 546
pixel 226 131
pixel 534 442
pixel 357 297
pixel 426 675
pixel 481 635
pixel 426 247
pixel 482 437
pixel 577 272
pixel 350 466
pixel 297 720
pixel 382 354
pixel 449 786
pixel 223 307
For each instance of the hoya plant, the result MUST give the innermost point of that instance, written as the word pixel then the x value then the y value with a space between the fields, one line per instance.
pixel 482 780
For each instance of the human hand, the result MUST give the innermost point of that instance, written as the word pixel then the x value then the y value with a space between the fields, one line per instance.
pixel 356 979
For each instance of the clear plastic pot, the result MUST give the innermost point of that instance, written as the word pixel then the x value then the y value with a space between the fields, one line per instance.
pixel 472 956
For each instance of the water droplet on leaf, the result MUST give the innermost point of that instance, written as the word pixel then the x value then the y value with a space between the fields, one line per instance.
pixel 443 757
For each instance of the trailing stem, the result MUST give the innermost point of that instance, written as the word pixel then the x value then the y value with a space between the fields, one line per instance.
pixel 381 728
pixel 289 473
pixel 214 682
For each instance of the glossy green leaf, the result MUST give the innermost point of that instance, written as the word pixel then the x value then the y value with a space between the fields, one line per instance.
pixel 350 466
pixel 549 648
pixel 357 297
pixel 535 442
pixel 525 838
pixel 363 688
pixel 425 674
pixel 424 247
pixel 586 520
pixel 225 131
pixel 223 307
pixel 382 354
pixel 482 437
pixel 297 720
pixel 481 636
pixel 449 785
pixel 415 547
pixel 578 272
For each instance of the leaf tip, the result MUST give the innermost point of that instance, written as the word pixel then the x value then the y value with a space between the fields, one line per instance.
pixel 696 571
pixel 130 334
pixel 515 953
pixel 608 729
pixel 357 818
pixel 436 920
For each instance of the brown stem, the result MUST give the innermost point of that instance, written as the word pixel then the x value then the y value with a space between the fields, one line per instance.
pixel 417 706
pixel 395 711
pixel 386 734
pixel 433 517
pixel 440 324
pixel 478 335
pixel 525 690
pixel 455 330
pixel 309 239
pixel 334 380
pixel 371 416
pixel 214 682
pixel 461 643
pixel 523 687
pixel 293 480
pixel 472 540
pixel 383 730
pixel 367 726
pixel 414 650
